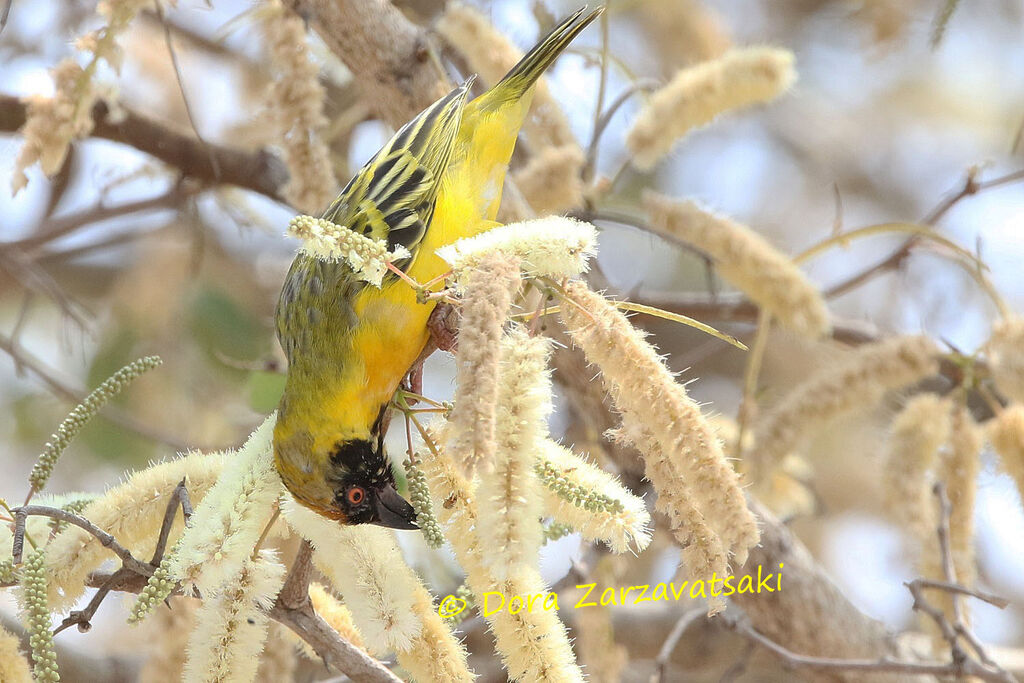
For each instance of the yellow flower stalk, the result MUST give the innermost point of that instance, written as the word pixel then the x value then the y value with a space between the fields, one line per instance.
pixel 533 644
pixel 959 470
pixel 489 292
pixel 860 381
pixel 1006 357
pixel 746 260
pixel 327 241
pixel 231 624
pixel 389 605
pixel 698 94
pixel 1006 433
pixel 14 666
pixel 551 180
pixel 510 514
pixel 232 515
pixel 133 513
pixel 490 54
pixel 915 437
pixel 624 527
pixel 678 444
pixel 556 247
pixel 296 103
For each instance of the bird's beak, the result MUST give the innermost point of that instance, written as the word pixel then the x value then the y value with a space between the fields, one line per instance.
pixel 392 510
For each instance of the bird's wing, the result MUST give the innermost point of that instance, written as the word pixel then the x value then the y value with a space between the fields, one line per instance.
pixel 392 197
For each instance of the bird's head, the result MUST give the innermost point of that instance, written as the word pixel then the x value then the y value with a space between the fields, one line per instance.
pixel 349 480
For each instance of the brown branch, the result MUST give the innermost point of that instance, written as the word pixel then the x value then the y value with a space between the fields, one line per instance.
pixel 21 515
pixel 55 228
pixel 878 666
pixel 389 56
pixel 259 171
pixel 665 653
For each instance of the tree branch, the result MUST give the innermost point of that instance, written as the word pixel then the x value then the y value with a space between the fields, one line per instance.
pixel 389 56
pixel 260 171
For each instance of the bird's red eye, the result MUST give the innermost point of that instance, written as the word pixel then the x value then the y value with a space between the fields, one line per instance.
pixel 355 495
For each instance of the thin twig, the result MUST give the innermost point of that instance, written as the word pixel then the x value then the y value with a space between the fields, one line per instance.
pixel 184 96
pixel 665 653
pixel 179 495
pixel 21 515
pixel 883 665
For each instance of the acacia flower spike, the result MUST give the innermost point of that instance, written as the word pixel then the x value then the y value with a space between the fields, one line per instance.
pixel 82 413
pixel 329 241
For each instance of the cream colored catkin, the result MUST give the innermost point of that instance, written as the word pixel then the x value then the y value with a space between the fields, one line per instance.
pixel 231 624
pixel 555 246
pixel 131 512
pixel 1006 434
pixel 489 291
pixel 917 433
pixel 679 446
pixel 624 527
pixel 551 181
pixel 1006 357
pixel 51 123
pixel 745 260
pixel 296 102
pixel 857 382
pixel 533 643
pixel 14 666
pixel 489 53
pixel 229 520
pixel 510 515
pixel 389 605
pixel 704 552
pixel 696 95
pixel 959 471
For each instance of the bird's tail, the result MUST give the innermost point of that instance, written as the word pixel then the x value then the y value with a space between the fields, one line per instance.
pixel 523 75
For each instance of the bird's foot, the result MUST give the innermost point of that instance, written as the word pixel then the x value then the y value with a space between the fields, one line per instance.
pixel 443 325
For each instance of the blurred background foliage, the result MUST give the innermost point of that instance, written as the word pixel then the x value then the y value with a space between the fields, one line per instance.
pixel 887 118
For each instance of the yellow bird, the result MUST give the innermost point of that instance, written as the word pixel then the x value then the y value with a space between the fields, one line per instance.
pixel 350 344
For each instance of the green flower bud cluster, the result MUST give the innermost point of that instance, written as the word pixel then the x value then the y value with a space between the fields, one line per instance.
pixel 556 530
pixel 8 574
pixel 75 507
pixel 37 618
pixel 156 590
pixel 82 413
pixel 419 496
pixel 580 496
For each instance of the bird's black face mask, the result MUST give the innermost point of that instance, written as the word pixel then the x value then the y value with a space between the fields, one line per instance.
pixel 365 492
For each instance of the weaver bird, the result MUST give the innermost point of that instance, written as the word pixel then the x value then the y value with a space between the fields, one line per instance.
pixel 349 344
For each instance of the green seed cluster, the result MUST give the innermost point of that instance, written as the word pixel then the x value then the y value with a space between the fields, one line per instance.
pixel 580 496
pixel 156 590
pixel 556 530
pixel 464 593
pixel 82 413
pixel 37 618
pixel 419 496
pixel 7 572
pixel 75 507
